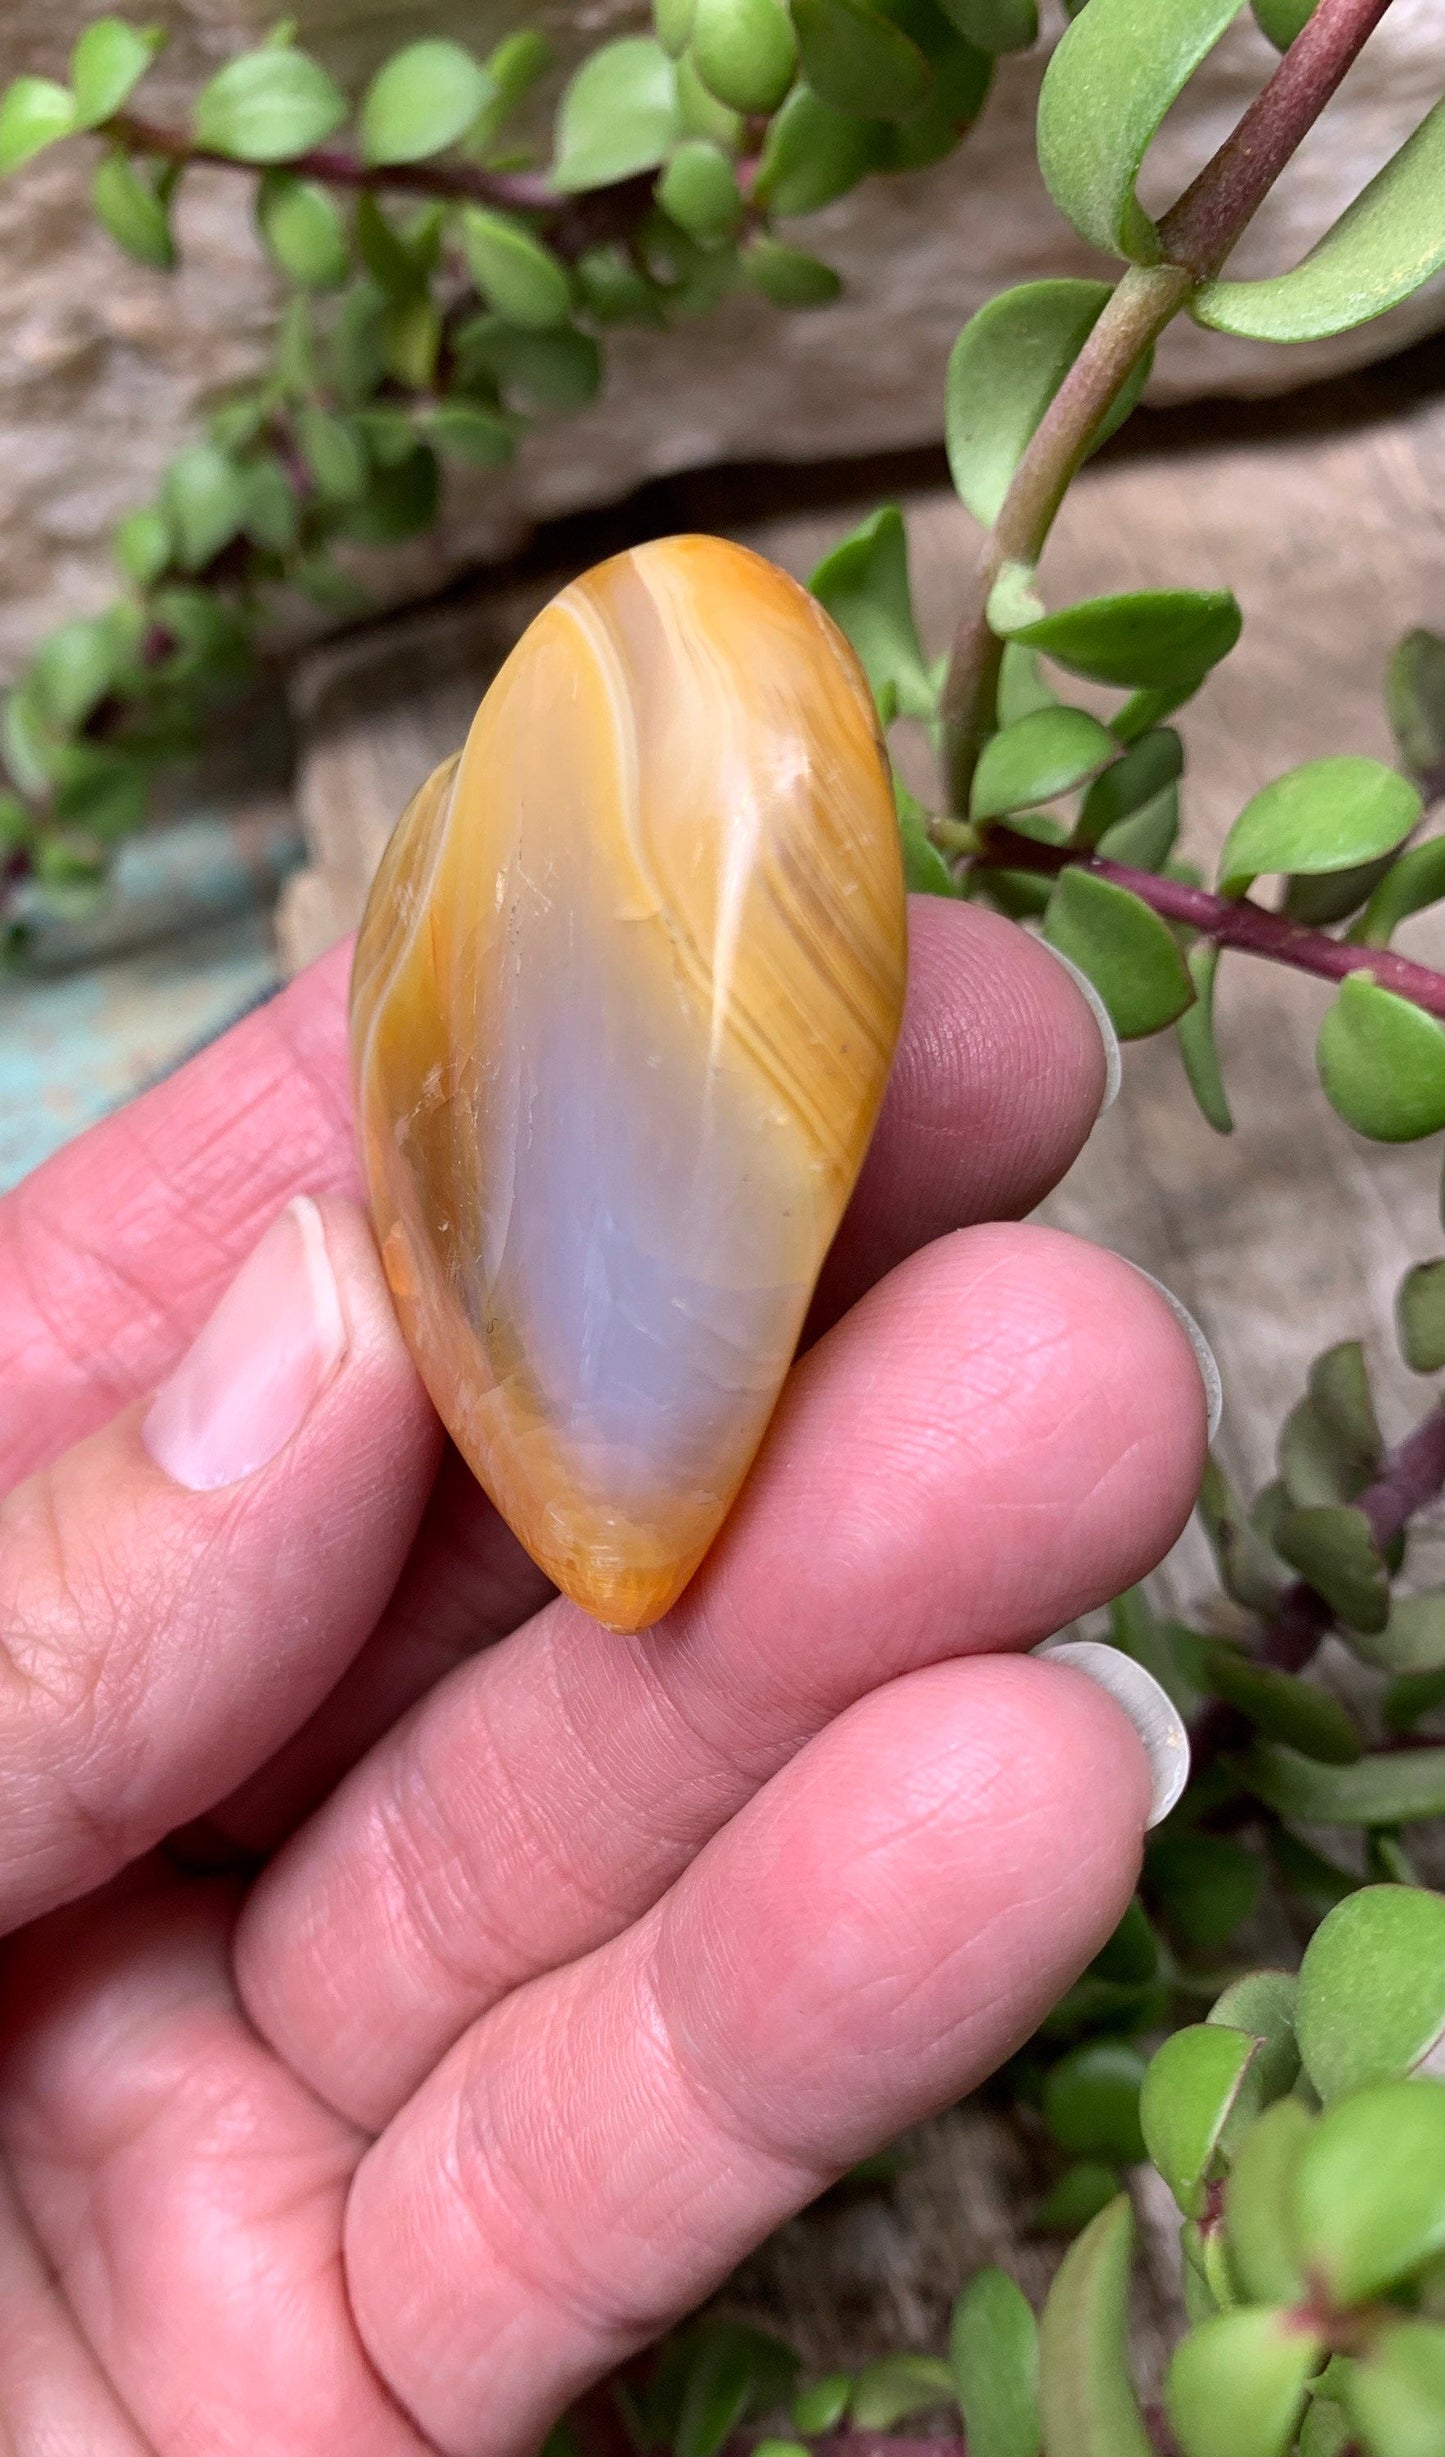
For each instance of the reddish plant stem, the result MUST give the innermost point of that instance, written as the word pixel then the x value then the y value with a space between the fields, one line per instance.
pixel 572 223
pixel 1413 1476
pixel 529 191
pixel 1199 231
pixel 1230 921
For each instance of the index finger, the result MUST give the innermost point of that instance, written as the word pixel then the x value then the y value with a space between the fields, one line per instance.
pixel 115 1251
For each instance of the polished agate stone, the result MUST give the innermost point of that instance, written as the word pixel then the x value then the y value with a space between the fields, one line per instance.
pixel 623 1006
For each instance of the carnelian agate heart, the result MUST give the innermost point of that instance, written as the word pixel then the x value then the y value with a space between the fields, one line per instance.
pixel 623 1006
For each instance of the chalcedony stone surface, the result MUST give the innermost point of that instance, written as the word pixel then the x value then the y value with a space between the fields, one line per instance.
pixel 623 1006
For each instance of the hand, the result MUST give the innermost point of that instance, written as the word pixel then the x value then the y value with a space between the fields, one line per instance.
pixel 418 1996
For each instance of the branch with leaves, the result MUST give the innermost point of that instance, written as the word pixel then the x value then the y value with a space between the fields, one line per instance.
pixel 446 291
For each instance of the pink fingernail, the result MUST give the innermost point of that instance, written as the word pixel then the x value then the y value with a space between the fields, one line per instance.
pixel 250 1379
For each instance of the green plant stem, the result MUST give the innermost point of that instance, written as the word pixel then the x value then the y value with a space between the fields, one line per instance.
pixel 1196 235
pixel 1147 299
pixel 1230 921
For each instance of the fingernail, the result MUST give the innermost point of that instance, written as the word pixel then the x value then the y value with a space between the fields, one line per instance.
pixel 1113 1061
pixel 1149 1708
pixel 1203 1354
pixel 250 1379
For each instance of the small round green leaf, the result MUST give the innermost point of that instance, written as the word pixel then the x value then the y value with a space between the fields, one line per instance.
pixel 1415 880
pixel 128 207
pixel 1413 1639
pixel 558 370
pixel 273 515
pixel 1091 2102
pixel 1116 73
pixel 1420 1316
pixel 618 115
pixel 1023 685
pixel 1199 2086
pixel 1283 1707
pixel 397 268
pixel 1074 2199
pixel 514 270
pixel 303 229
pixel 1087 2404
pixel 1328 815
pixel 422 100
pixel 72 670
pixel 699 191
pixel 1257 2204
pixel 1149 767
pixel 1386 1789
pixel 517 64
pixel 142 545
pixel 411 332
pixel 1148 639
pixel 1331 1545
pixel 672 22
pixel 925 872
pixel 995 25
pixel 34 112
pixel 1264 2002
pixel 333 452
pixel 1368 2198
pixel 1004 370
pixel 1042 755
pixel 812 154
pixel 267 106
pixel 1372 1989
pixel 788 277
pixel 858 60
pixel 864 585
pixel 1129 954
pixel 897 2387
pixel 612 289
pixel 717 2395
pixel 993 2347
pixel 961 76
pixel 821 2406
pixel 1415 698
pixel 102 792
pixel 745 52
pixel 1395 2392
pixel 1198 1049
pixel 1281 20
pixel 204 494
pixel 1382 1063
pixel 1237 2384
pixel 480 437
pixel 107 64
pixel 699 113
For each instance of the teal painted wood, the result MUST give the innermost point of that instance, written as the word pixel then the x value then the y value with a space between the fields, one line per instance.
pixel 107 1001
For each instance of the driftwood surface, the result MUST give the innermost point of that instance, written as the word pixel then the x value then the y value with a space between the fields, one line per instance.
pixel 1328 519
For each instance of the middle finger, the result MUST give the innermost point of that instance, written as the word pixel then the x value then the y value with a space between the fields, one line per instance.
pixel 1008 1430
